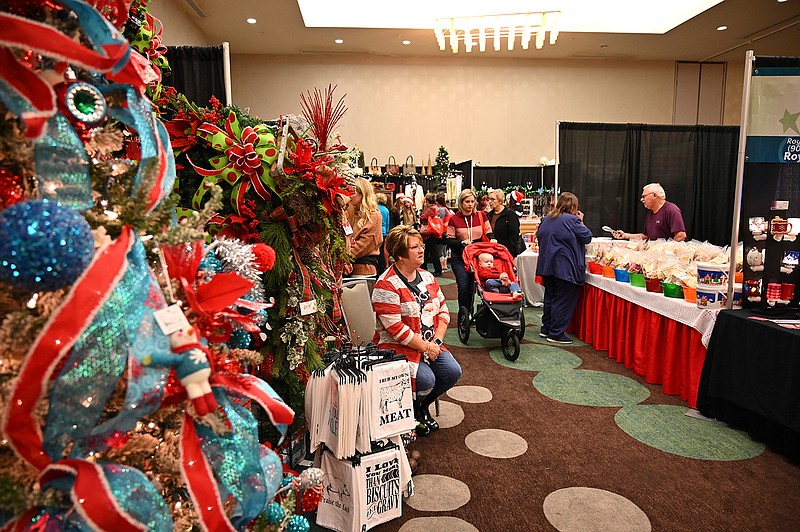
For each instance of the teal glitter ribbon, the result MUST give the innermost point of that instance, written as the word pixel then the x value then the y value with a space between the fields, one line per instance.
pixel 123 328
pixel 244 468
pixel 62 166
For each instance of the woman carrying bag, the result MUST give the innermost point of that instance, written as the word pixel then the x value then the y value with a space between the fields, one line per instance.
pixel 505 224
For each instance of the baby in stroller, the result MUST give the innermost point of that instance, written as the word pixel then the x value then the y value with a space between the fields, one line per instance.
pixel 494 279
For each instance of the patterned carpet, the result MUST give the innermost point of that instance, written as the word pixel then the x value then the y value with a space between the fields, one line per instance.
pixel 566 439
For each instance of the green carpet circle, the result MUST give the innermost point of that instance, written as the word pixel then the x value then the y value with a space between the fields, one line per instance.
pixel 668 429
pixel 444 281
pixel 537 357
pixel 476 341
pixel 589 387
pixel 452 306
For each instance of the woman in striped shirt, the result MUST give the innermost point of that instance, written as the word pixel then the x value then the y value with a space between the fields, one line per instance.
pixel 412 320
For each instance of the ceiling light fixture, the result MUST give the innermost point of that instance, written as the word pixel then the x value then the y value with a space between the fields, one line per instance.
pixel 406 42
pixel 251 21
pixel 339 41
pixel 722 28
pixel 495 27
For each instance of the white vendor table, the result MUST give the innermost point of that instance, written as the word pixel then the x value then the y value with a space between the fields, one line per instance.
pixel 526 271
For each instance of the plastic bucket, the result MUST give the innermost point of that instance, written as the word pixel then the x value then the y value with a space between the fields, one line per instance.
pixel 608 271
pixel 622 275
pixel 711 296
pixel 712 274
pixel 637 279
pixel 690 294
pixel 653 284
pixel 595 268
pixel 672 290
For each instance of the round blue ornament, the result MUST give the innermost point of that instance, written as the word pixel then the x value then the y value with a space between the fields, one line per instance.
pixel 240 339
pixel 43 245
pixel 298 523
pixel 274 513
pixel 287 480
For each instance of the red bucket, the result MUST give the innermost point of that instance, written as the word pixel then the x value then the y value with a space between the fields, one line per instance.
pixel 653 284
pixel 595 268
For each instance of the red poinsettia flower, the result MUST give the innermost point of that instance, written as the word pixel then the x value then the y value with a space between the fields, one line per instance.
pixel 330 185
pixel 303 163
pixel 183 132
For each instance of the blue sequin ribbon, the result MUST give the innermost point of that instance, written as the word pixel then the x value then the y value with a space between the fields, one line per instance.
pixel 124 328
pixel 62 166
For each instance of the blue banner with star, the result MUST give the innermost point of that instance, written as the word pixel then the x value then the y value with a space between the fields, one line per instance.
pixel 773 129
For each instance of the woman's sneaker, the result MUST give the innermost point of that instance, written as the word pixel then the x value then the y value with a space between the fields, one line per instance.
pixel 429 422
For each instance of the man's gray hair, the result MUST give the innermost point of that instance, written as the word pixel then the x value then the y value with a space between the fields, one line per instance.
pixel 657 188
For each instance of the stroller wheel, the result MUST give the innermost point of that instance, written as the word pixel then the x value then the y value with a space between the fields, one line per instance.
pixel 463 324
pixel 521 330
pixel 510 345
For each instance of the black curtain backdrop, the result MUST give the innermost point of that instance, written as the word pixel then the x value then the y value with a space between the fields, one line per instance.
pixel 529 177
pixel 606 166
pixel 198 72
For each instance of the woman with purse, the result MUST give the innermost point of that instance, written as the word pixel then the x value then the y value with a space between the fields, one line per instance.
pixel 366 222
pixel 466 226
pixel 505 223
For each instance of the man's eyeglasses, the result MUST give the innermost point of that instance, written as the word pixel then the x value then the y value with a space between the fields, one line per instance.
pixel 645 195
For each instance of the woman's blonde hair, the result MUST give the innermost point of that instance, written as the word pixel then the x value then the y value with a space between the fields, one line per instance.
pixel 369 204
pixel 397 240
pixel 567 202
pixel 464 194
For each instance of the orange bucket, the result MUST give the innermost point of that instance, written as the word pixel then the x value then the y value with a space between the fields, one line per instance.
pixel 690 295
pixel 738 277
pixel 608 271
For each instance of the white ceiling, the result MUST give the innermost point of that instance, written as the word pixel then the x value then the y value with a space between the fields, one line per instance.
pixel 768 27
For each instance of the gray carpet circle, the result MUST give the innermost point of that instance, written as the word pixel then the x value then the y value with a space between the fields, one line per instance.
pixel 438 493
pixel 590 388
pixel 470 394
pixel 538 357
pixel 582 509
pixel 427 524
pixel 496 443
pixel 450 414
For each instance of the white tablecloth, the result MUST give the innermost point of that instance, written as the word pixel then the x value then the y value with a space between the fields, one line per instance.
pixel 701 320
pixel 526 271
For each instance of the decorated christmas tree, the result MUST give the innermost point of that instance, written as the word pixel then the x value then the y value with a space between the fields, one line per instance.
pixel 147 338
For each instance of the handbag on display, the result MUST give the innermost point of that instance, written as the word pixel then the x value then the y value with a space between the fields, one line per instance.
pixel 374 169
pixel 391 166
pixel 409 167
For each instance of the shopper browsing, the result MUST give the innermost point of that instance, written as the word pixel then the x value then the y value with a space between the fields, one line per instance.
pixel 504 221
pixel 664 219
pixel 562 264
pixel 365 222
pixel 495 280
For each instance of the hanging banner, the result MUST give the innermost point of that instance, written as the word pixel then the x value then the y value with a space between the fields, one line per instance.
pixel 773 134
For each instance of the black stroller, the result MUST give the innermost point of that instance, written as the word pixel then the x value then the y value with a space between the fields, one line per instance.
pixel 498 315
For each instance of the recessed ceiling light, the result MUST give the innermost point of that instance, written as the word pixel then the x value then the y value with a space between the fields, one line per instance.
pixel 251 21
pixel 781 1
pixel 722 28
pixel 339 41
pixel 406 42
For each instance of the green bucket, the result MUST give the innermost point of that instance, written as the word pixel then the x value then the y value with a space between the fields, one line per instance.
pixel 672 290
pixel 637 279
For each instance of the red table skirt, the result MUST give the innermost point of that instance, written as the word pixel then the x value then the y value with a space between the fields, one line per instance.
pixel 659 349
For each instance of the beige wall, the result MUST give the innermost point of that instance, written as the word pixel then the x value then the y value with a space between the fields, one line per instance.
pixel 495 111
pixel 179 30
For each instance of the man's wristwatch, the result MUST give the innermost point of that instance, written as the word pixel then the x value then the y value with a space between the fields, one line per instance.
pixel 438 342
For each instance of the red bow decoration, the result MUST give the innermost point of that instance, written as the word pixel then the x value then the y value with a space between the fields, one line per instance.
pixel 211 301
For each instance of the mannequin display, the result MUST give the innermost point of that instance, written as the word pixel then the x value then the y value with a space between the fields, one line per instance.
pixel 415 192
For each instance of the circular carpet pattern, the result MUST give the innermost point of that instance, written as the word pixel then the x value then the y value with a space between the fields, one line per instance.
pixel 452 305
pixel 496 443
pixel 426 524
pixel 450 414
pixel 538 357
pixel 444 281
pixel 590 388
pixel 438 493
pixel 470 394
pixel 582 509
pixel 668 429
